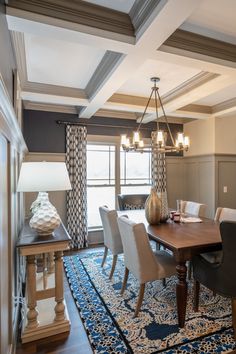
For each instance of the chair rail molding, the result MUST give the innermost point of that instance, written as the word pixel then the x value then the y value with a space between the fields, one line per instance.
pixel 8 124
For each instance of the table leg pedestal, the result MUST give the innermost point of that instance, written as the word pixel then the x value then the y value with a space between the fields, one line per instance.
pixel 181 292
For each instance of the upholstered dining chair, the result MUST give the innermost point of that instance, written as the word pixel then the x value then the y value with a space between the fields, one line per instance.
pixel 140 259
pixel 131 201
pixel 222 214
pixel 193 208
pixel 112 239
pixel 219 276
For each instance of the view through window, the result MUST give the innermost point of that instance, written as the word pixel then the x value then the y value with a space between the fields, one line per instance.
pixel 134 176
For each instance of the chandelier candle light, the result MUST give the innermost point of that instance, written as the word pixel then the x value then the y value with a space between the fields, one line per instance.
pixel 137 144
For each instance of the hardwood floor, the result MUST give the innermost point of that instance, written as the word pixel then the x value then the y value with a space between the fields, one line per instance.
pixel 74 343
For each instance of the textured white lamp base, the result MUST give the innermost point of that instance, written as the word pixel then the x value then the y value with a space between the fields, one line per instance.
pixel 46 219
pixel 41 199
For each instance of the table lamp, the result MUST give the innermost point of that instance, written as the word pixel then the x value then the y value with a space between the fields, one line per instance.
pixel 43 177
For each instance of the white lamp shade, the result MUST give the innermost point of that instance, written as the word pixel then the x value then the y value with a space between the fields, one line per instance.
pixel 43 177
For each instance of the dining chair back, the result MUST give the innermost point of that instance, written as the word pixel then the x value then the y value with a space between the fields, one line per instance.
pixel 223 214
pixel 220 276
pixel 140 259
pixel 112 239
pixel 131 201
pixel 193 208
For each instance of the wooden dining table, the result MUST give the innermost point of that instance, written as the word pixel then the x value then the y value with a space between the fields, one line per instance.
pixel 184 240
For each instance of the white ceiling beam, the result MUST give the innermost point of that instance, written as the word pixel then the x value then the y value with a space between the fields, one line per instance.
pixel 194 60
pixel 156 33
pixel 39 25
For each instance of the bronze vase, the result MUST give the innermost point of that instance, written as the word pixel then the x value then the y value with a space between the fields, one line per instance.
pixel 153 208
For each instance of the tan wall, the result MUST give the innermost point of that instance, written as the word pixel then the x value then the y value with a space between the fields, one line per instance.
pixel 199 175
pixel 202 137
pixel 225 135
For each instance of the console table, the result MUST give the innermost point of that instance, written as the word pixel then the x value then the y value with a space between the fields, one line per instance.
pixel 47 314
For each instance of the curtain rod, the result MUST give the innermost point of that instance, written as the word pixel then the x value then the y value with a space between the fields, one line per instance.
pixel 97 125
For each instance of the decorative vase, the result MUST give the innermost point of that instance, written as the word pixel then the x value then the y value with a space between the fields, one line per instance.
pixel 45 220
pixel 164 213
pixel 153 208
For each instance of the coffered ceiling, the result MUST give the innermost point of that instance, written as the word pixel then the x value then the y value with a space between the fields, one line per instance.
pixel 96 57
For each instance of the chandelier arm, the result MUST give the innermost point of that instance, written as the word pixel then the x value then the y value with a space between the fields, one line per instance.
pixel 171 136
pixel 156 90
pixel 145 110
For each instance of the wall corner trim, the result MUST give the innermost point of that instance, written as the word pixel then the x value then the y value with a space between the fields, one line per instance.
pixel 8 122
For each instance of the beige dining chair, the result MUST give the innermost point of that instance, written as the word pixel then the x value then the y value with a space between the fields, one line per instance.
pixel 145 264
pixel 193 208
pixel 112 239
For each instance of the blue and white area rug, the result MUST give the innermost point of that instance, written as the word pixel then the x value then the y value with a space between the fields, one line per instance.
pixel 108 316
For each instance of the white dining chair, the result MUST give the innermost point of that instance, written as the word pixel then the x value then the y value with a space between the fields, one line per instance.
pixel 145 264
pixel 193 208
pixel 112 239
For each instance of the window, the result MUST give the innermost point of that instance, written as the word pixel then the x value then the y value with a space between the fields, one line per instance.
pixel 100 180
pixel 135 172
pixel 107 176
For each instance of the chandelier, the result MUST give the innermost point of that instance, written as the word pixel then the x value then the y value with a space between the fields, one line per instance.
pixel 160 137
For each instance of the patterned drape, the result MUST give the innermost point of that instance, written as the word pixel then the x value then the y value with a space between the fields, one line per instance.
pixel 159 178
pixel 76 139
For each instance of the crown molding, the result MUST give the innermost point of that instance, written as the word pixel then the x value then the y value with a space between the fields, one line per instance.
pixel 116 114
pixel 104 69
pixel 189 85
pixel 80 12
pixel 193 42
pixel 141 11
pixel 54 90
pixel 49 107
pixel 18 42
pixel 130 100
pixel 8 121
pixel 224 107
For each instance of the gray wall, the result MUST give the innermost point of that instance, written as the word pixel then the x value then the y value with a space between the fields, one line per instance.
pixel 205 179
pixel 225 176
pixel 199 176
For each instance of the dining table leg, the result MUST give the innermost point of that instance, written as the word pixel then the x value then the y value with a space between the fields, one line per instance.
pixel 181 292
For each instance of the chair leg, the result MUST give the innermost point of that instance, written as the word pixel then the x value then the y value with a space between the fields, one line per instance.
pixel 190 270
pixel 233 303
pixel 113 266
pixel 196 290
pixel 164 282
pixel 140 299
pixel 124 281
pixel 158 246
pixel 104 256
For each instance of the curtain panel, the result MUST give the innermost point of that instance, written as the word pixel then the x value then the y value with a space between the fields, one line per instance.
pixel 159 178
pixel 76 141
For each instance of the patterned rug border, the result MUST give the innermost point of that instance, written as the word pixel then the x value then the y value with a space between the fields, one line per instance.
pixel 129 349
